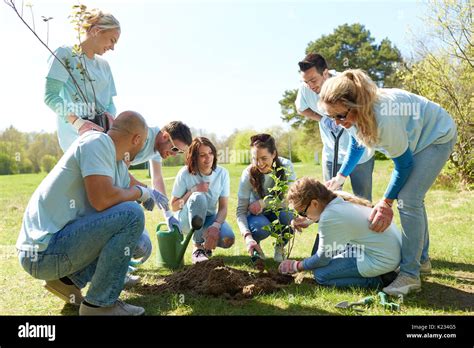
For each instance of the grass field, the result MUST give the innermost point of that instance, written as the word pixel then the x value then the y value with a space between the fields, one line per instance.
pixel 448 290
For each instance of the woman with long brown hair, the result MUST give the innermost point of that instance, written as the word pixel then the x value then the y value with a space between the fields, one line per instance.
pixel 202 188
pixel 419 136
pixel 254 186
pixel 349 253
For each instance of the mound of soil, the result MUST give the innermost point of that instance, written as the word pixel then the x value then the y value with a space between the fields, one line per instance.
pixel 213 278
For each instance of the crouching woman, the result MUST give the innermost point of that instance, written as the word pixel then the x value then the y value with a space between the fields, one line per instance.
pixel 202 188
pixel 349 252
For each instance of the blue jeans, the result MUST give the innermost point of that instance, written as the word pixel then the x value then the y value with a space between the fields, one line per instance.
pixel 427 164
pixel 197 205
pixel 342 272
pixel 361 177
pixel 257 222
pixel 96 248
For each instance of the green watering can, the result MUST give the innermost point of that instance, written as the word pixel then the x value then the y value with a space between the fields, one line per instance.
pixel 171 246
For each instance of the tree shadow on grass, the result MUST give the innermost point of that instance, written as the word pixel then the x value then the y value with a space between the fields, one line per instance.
pixel 454 266
pixel 436 296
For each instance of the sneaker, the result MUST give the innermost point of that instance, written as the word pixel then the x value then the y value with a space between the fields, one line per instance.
pixel 403 285
pixel 208 253
pixel 68 293
pixel 279 254
pixel 118 308
pixel 199 255
pixel 131 280
pixel 425 267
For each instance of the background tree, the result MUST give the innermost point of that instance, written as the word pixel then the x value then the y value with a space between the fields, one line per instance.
pixel 443 71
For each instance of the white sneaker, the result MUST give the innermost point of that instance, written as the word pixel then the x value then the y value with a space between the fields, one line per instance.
pixel 425 267
pixel 403 285
pixel 118 308
pixel 131 280
pixel 279 253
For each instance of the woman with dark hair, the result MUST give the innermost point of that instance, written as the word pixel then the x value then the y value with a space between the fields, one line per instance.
pixel 255 183
pixel 202 188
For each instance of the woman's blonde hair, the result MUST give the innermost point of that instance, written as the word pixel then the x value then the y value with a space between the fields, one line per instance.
pixel 304 190
pixel 101 20
pixel 355 89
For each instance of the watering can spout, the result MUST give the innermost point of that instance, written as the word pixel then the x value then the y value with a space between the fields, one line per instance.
pixel 196 224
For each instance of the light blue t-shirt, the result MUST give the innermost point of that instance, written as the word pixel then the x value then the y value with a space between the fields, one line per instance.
pixel 61 197
pixel 219 185
pixel 407 120
pixel 307 99
pixel 148 150
pixel 246 191
pixel 343 223
pixel 104 88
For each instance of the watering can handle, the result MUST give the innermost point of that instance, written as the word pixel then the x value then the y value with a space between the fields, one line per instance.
pixel 161 224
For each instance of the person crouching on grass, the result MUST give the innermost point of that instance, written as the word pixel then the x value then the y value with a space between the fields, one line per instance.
pixel 255 185
pixel 202 188
pixel 349 252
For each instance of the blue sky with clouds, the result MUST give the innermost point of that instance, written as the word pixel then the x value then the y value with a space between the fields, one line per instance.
pixel 216 65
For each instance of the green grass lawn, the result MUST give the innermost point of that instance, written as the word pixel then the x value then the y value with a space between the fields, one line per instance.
pixel 448 290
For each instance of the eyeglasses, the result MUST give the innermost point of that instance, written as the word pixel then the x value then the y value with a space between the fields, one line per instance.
pixel 259 137
pixel 341 117
pixel 303 213
pixel 174 148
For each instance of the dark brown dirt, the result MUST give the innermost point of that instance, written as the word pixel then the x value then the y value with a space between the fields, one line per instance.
pixel 213 278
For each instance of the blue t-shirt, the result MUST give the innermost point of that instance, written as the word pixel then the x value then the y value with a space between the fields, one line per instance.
pixel 246 191
pixel 307 99
pixel 104 88
pixel 148 150
pixel 61 197
pixel 219 185
pixel 407 120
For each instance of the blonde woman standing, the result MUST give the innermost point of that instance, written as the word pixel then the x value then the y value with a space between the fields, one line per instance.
pixel 62 95
pixel 417 134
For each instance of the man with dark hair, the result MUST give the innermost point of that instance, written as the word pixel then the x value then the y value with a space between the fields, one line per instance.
pixel 314 71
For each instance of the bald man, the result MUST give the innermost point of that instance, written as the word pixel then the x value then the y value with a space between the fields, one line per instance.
pixel 83 222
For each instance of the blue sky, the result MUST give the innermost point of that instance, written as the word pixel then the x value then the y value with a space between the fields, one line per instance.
pixel 216 65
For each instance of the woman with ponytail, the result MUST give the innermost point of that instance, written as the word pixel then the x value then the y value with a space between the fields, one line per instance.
pixel 92 74
pixel 419 136
pixel 349 253
pixel 255 183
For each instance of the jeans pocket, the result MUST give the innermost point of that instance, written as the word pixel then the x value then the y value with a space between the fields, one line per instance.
pixel 53 266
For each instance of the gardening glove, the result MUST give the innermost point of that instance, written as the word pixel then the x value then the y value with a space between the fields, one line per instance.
pixel 160 199
pixel 288 267
pixel 83 126
pixel 171 221
pixel 336 182
pixel 252 245
pixel 149 204
pixel 211 236
pixel 381 216
pixel 256 207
